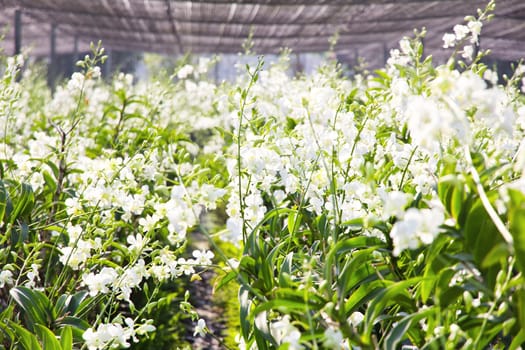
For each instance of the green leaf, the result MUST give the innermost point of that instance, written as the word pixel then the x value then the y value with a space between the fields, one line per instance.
pixel 517 226
pixel 446 186
pixel 518 340
pixel 75 301
pixel 480 233
pixel 260 338
pixel 400 331
pixel 36 305
pixel 53 228
pixel 285 271
pixel 6 331
pixel 390 294
pixel 456 200
pixel 344 247
pixel 266 270
pixel 313 300
pixel 4 197
pixel 427 286
pixel 49 340
pixel 60 304
pixel 224 280
pixel 356 269
pixel 497 254
pixel 283 305
pixel 23 203
pixel 322 225
pixel 245 306
pixel 27 340
pixel 363 294
pixel 436 260
pixel 50 181
pixel 75 322
pixel 85 305
pixel 294 221
pixel 354 224
pixel 520 301
pixel 66 338
pixel 247 264
pixel 262 332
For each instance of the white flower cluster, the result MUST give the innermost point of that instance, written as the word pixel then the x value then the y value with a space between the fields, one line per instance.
pixel 6 278
pixel 363 154
pixel 284 332
pixel 461 32
pixel 281 161
pixel 117 197
pixel 115 335
pixel 416 227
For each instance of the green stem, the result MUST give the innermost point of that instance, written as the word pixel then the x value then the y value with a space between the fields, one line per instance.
pixel 485 200
pixel 481 332
pixel 243 102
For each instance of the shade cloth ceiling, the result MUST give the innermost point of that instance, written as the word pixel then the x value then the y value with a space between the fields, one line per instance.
pixel 368 28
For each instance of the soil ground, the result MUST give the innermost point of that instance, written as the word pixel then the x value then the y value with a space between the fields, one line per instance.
pixel 202 300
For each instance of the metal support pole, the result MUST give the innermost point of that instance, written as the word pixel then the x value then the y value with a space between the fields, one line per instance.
pixel 18 31
pixel 108 64
pixel 51 73
pixel 386 54
pixel 74 59
pixel 298 64
pixel 216 71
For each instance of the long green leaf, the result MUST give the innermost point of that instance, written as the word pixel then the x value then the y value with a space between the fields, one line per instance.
pixel 245 304
pixel 480 232
pixel 80 305
pixel 400 331
pixel 24 203
pixel 294 221
pixel 4 329
pixel 344 247
pixel 74 322
pixel 286 270
pixel 285 305
pixel 262 331
pixel 517 226
pixel 363 294
pixel 36 305
pixel 27 340
pixel 48 338
pixel 518 340
pixel 4 196
pixel 224 280
pixel 356 269
pixel 66 338
pixel 388 295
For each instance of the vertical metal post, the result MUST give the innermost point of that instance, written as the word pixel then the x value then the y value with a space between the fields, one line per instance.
pixel 386 53
pixel 298 67
pixel 108 64
pixel 74 59
pixel 216 70
pixel 18 31
pixel 51 73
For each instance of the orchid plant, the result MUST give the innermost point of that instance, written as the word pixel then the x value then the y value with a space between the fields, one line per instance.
pixel 381 211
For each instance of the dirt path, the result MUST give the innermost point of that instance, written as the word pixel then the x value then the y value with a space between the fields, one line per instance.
pixel 202 300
